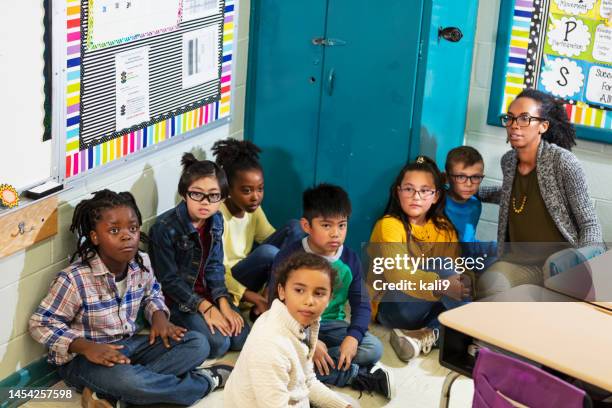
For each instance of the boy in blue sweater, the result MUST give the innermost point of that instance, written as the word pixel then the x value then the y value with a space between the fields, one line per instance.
pixel 465 172
pixel 346 353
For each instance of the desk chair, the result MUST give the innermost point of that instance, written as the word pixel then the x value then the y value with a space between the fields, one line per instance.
pixel 501 381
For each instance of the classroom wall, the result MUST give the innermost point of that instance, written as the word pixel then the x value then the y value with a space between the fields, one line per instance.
pixel 22 96
pixel 25 276
pixel 596 158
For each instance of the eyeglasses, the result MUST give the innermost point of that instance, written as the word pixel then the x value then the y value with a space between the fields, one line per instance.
pixel 410 192
pixel 521 120
pixel 199 196
pixel 462 178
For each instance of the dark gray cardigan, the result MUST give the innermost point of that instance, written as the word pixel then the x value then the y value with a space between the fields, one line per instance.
pixel 564 190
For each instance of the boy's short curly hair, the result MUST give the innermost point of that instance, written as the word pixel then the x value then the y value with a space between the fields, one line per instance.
pixel 299 260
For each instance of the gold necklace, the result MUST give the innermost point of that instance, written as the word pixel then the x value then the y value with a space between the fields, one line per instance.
pixel 522 207
pixel 524 199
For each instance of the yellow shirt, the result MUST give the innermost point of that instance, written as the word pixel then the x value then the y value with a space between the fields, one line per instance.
pixel 391 231
pixel 238 237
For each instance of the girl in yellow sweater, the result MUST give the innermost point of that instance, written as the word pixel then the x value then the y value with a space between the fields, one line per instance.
pixel 414 226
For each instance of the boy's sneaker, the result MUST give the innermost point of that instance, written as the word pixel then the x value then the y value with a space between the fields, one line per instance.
pixel 89 399
pixel 218 373
pixel 408 344
pixel 378 379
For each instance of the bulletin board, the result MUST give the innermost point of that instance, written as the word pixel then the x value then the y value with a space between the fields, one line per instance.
pixel 138 73
pixel 561 47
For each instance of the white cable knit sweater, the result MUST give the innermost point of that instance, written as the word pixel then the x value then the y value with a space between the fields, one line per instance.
pixel 275 367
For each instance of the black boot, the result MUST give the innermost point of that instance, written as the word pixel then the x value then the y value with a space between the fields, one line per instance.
pixel 377 379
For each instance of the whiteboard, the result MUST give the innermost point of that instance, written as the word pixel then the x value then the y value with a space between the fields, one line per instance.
pixel 26 159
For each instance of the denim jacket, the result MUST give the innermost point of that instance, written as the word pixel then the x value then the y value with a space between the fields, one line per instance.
pixel 176 255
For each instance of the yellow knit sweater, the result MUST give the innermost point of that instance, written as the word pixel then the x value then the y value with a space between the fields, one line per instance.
pixel 238 237
pixel 390 231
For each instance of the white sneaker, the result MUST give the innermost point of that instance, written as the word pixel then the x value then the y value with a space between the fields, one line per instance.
pixel 408 344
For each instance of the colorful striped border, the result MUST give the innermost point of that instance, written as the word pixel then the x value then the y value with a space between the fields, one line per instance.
pixel 90 26
pixel 517 54
pixel 81 161
pixel 519 47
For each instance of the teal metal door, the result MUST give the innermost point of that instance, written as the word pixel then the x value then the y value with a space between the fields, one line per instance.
pixel 282 105
pixel 283 97
pixel 367 102
pixel 335 92
pixel 444 83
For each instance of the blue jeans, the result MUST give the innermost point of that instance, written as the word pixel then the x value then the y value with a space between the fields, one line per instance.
pixel 254 270
pixel 400 311
pixel 156 375
pixel 218 344
pixel 332 333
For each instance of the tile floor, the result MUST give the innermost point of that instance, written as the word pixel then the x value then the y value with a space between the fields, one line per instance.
pixel 418 384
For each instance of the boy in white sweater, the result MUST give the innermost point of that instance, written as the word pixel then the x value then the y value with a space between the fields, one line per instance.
pixel 275 366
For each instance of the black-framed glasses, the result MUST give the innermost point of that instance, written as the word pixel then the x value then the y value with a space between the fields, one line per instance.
pixel 522 120
pixel 200 196
pixel 410 192
pixel 462 178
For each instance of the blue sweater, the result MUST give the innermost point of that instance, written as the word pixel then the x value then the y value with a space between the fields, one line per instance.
pixel 464 217
pixel 358 297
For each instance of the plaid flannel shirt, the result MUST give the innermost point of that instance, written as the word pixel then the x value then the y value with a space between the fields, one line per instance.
pixel 84 302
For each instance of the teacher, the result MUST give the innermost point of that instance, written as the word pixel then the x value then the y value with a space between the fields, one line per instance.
pixel 543 197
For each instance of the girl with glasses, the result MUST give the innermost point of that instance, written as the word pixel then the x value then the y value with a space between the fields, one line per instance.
pixel 187 254
pixel 544 196
pixel 414 224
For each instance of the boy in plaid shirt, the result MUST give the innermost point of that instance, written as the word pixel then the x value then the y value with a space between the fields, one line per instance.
pixel 88 319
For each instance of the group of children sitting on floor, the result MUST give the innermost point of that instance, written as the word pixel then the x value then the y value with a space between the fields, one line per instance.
pixel 213 254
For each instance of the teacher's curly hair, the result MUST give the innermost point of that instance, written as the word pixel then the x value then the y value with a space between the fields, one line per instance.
pixel 560 130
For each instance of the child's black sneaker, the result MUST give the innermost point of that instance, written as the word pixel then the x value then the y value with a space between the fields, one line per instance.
pixel 378 379
pixel 218 373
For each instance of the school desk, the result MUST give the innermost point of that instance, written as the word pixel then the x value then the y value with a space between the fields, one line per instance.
pixel 570 337
pixel 590 281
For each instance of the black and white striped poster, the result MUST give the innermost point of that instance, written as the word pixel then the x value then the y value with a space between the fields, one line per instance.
pixel 135 84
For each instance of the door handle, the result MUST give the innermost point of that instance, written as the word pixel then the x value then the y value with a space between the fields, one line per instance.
pixel 452 34
pixel 328 42
pixel 331 77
